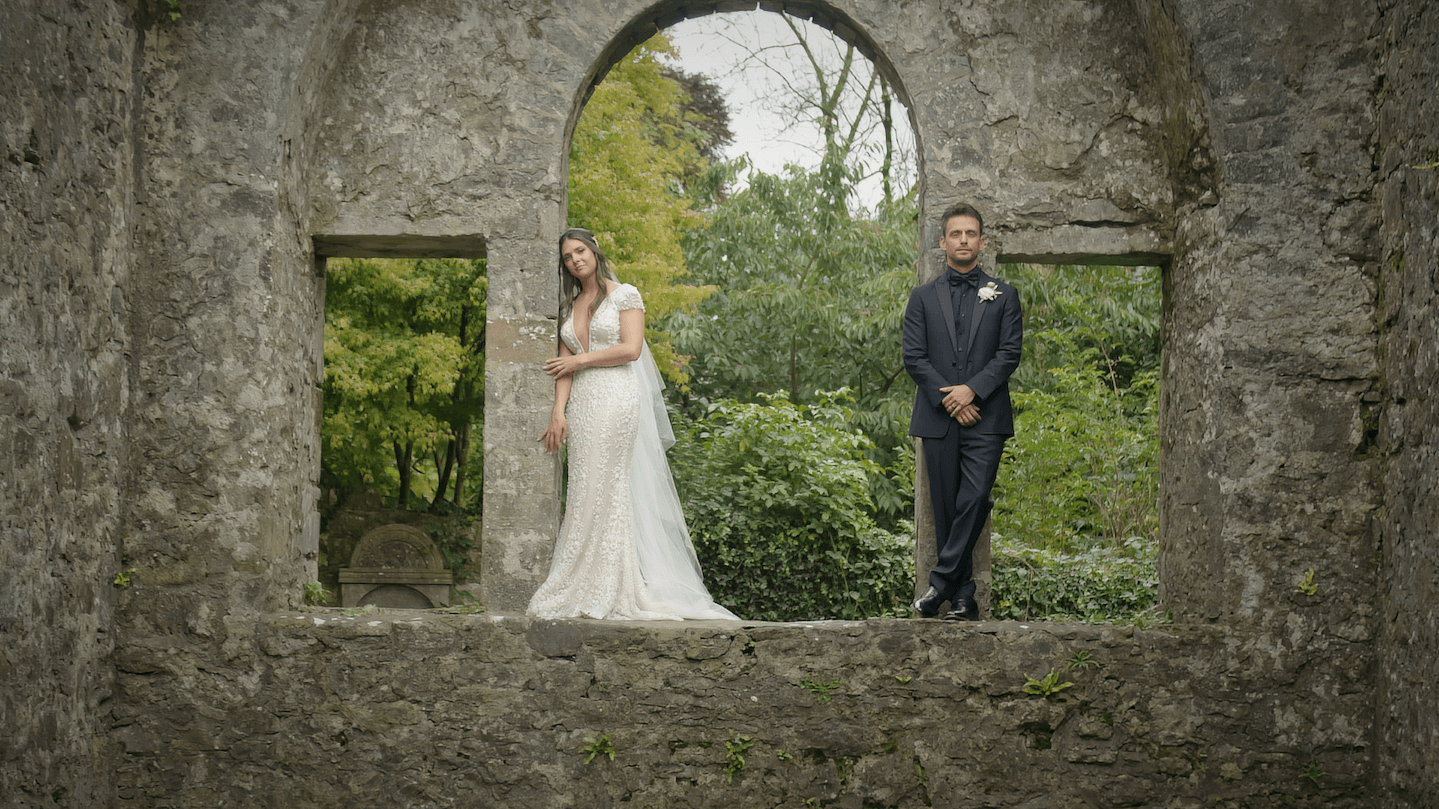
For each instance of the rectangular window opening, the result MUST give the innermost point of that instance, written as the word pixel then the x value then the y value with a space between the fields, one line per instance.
pixel 402 410
pixel 1078 490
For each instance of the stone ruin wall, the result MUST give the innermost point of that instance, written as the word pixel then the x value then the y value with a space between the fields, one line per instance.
pixel 1271 371
pixel 391 709
pixel 67 212
pixel 161 311
pixel 1407 163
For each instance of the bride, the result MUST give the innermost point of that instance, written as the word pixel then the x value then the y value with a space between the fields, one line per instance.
pixel 624 551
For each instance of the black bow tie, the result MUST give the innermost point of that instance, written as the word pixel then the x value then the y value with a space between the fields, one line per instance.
pixel 971 278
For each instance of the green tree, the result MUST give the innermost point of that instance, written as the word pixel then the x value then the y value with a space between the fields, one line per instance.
pixel 810 291
pixel 1110 584
pixel 815 80
pixel 1111 315
pixel 705 111
pixel 810 298
pixel 1082 468
pixel 640 139
pixel 404 376
pixel 824 98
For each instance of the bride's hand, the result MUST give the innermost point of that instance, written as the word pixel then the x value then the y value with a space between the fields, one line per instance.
pixel 563 365
pixel 554 435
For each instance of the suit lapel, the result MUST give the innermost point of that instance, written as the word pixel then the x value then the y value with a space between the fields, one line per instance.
pixel 981 308
pixel 940 286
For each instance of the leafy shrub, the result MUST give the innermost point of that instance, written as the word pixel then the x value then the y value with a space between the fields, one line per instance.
pixel 777 498
pixel 1082 467
pixel 1076 503
pixel 1111 315
pixel 1100 584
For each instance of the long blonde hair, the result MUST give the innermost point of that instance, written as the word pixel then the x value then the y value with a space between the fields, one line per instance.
pixel 569 285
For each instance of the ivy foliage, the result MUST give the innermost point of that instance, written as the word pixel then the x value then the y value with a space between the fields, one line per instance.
pixel 776 496
pixel 1097 585
pixel 170 9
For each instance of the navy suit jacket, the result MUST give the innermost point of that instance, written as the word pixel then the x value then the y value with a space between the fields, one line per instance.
pixel 935 356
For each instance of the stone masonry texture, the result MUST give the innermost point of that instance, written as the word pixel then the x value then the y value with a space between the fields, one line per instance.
pixel 328 709
pixel 170 189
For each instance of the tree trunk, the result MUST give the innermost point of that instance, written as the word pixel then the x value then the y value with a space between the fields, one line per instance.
pixel 462 457
pixel 404 457
pixel 464 392
pixel 794 370
pixel 446 467
pixel 886 118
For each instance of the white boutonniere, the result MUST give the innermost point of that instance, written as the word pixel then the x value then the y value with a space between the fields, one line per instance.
pixel 989 292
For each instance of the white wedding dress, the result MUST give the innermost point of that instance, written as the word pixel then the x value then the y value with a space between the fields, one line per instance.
pixel 624 551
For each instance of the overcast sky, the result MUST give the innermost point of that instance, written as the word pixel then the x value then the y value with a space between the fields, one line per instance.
pixel 708 45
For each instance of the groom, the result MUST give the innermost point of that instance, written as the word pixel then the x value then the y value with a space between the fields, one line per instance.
pixel 963 334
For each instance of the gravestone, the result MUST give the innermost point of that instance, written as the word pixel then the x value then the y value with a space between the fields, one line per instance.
pixel 396 566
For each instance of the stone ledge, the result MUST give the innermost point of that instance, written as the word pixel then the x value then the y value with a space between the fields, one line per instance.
pixel 376 709
pixel 1114 244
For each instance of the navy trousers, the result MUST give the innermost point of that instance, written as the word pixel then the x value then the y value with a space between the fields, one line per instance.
pixel 962 467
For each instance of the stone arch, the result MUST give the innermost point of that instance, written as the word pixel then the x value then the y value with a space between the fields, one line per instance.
pixel 1097 228
pixel 1075 127
pixel 657 18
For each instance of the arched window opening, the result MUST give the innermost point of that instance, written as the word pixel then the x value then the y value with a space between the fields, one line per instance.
pixel 780 285
pixel 775 263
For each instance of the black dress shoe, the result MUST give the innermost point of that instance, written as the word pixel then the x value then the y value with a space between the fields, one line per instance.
pixel 963 609
pixel 928 604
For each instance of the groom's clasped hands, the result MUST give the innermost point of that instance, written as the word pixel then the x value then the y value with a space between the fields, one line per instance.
pixel 959 403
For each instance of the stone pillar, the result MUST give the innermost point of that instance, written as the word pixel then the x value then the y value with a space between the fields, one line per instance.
pixel 225 310
pixel 1270 339
pixel 522 481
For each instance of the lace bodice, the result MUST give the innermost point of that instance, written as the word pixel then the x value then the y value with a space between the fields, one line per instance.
pixel 605 324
